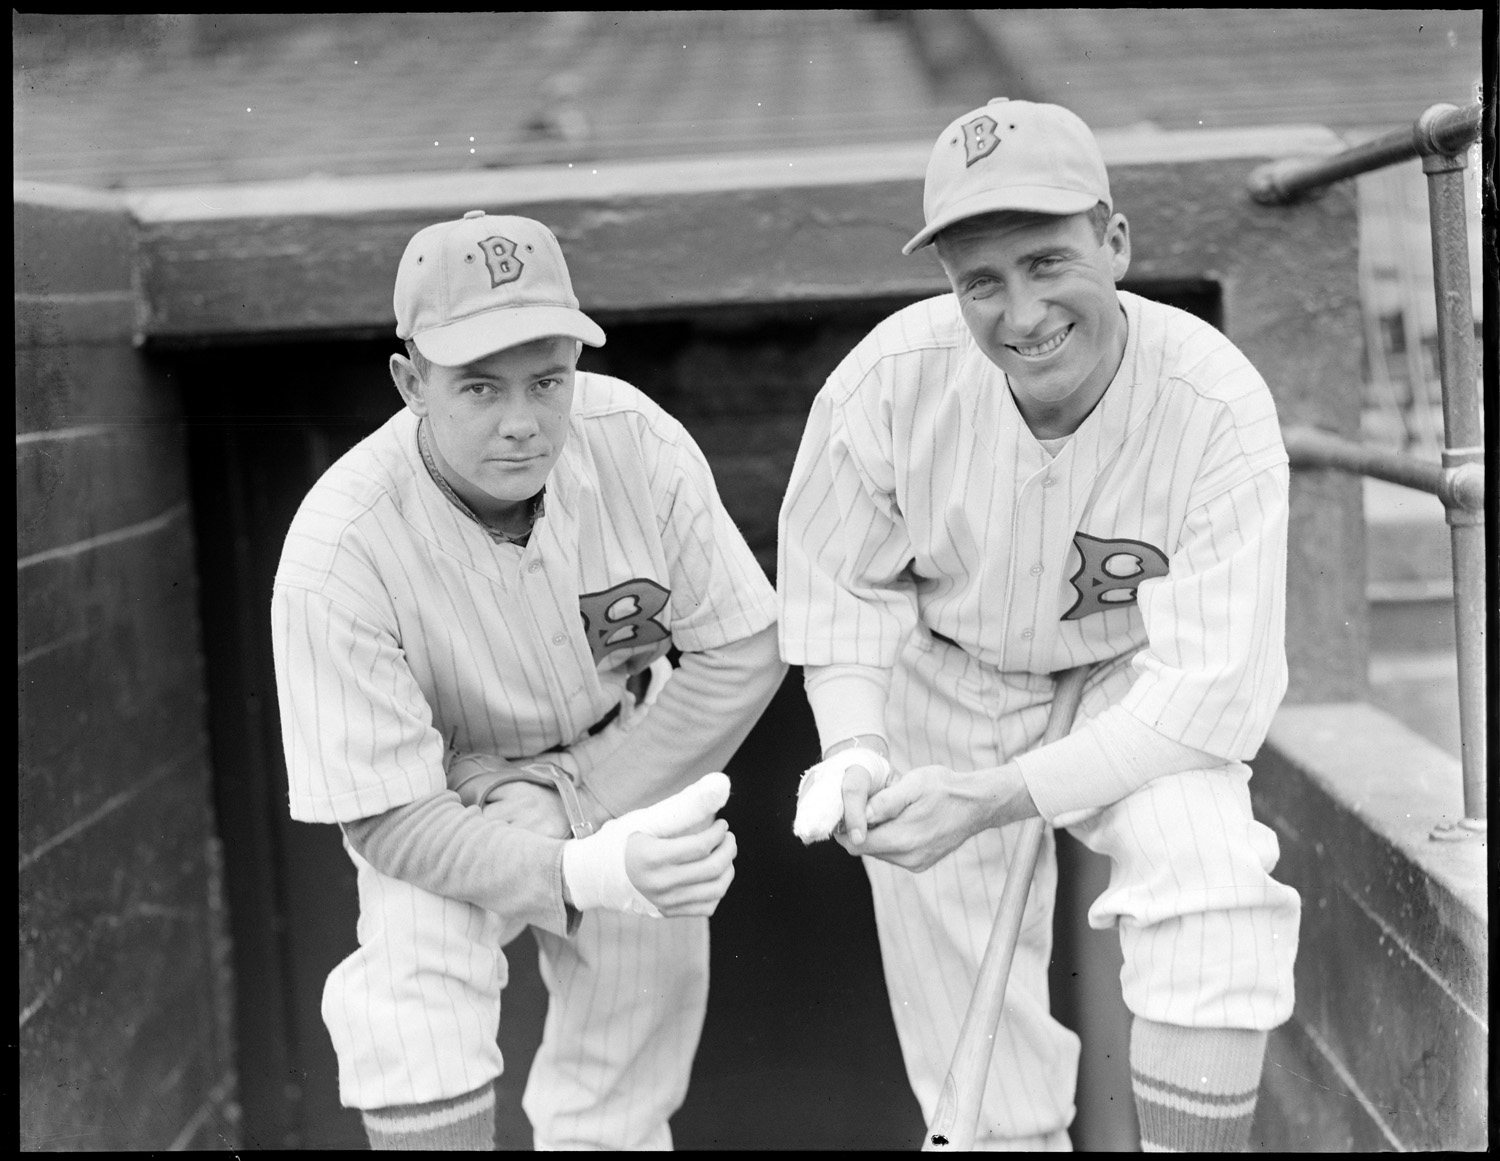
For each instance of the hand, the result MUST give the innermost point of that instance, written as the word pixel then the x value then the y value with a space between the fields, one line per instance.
pixel 686 874
pixel 832 794
pixel 527 805
pixel 859 785
pixel 671 858
pixel 932 810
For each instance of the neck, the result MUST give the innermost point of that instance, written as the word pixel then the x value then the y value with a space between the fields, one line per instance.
pixel 509 517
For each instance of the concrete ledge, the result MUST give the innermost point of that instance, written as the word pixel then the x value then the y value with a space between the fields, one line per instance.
pixel 798 226
pixel 1388 1046
pixel 591 181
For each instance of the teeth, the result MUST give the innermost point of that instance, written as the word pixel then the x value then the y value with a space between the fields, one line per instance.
pixel 1043 348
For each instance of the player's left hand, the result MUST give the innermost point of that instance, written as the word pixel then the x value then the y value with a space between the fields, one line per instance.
pixel 927 813
pixel 525 804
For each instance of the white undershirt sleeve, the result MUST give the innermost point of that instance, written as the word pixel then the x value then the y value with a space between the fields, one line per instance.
pixel 846 700
pixel 1101 762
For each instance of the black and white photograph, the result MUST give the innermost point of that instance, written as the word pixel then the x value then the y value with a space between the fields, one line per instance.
pixel 755 579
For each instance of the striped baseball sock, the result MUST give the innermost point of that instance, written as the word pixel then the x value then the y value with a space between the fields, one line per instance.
pixel 465 1122
pixel 1195 1088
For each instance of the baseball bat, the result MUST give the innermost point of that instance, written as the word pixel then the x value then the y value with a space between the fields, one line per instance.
pixel 956 1120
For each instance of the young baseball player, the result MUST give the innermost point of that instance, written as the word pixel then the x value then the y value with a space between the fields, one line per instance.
pixel 472 618
pixel 1034 472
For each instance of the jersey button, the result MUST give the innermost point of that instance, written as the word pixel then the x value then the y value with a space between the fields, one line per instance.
pixel 1036 570
pixel 559 639
pixel 1048 482
pixel 1027 634
pixel 533 566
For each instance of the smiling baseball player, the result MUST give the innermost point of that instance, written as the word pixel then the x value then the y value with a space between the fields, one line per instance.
pixel 1034 472
pixel 471 621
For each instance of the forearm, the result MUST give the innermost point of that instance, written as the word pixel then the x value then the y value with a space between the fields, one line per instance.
pixel 847 701
pixel 1101 762
pixel 451 850
pixel 702 716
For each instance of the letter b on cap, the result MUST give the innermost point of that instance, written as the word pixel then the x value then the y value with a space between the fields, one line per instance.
pixel 979 139
pixel 500 257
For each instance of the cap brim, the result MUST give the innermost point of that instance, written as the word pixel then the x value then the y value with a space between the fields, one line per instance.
pixel 1037 199
pixel 473 338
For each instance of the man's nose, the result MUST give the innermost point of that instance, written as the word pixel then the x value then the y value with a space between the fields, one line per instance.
pixel 517 417
pixel 1025 311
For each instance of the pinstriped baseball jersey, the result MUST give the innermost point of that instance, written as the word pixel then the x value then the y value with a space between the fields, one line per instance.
pixel 493 647
pixel 920 493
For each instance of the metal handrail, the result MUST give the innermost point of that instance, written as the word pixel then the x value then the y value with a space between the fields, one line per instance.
pixel 1444 130
pixel 1460 487
pixel 1441 137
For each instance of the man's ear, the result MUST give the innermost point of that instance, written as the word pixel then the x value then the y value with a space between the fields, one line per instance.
pixel 1117 238
pixel 409 383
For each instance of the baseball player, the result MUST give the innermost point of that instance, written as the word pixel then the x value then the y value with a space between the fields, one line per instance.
pixel 1034 472
pixel 472 618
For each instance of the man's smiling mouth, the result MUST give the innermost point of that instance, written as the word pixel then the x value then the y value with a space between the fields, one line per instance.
pixel 1042 350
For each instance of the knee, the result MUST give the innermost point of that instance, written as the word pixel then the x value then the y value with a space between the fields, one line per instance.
pixel 1188 843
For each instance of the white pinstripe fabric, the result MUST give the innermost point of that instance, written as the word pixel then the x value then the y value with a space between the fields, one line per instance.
pixel 400 627
pixel 920 501
pixel 643 1018
pixel 919 490
pixel 1209 938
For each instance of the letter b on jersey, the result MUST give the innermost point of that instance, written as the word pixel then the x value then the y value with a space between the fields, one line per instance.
pixel 1110 572
pixel 623 617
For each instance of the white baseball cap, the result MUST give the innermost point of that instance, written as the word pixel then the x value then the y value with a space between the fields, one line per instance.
pixel 468 288
pixel 1011 155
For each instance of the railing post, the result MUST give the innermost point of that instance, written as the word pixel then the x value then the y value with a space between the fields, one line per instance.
pixel 1464 445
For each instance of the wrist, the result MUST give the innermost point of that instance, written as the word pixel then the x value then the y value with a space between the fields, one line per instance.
pixel 874 742
pixel 1007 798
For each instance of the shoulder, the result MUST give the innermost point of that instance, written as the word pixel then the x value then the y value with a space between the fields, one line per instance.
pixel 612 411
pixel 372 483
pixel 1206 391
pixel 919 339
pixel 1179 349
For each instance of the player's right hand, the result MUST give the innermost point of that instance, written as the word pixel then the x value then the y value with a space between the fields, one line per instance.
pixel 672 858
pixel 686 874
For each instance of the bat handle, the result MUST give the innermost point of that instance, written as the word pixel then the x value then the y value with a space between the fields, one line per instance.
pixel 955 1122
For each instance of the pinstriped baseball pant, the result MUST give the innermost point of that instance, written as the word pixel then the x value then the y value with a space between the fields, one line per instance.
pixel 414 1014
pixel 1208 936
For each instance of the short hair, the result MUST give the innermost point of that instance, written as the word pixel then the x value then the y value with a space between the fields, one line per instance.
pixel 418 360
pixel 1098 215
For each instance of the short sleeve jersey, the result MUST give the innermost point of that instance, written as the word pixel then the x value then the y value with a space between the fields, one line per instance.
pixel 920 495
pixel 400 627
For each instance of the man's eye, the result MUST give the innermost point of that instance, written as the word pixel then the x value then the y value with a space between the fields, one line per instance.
pixel 1049 262
pixel 548 384
pixel 982 285
pixel 476 388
